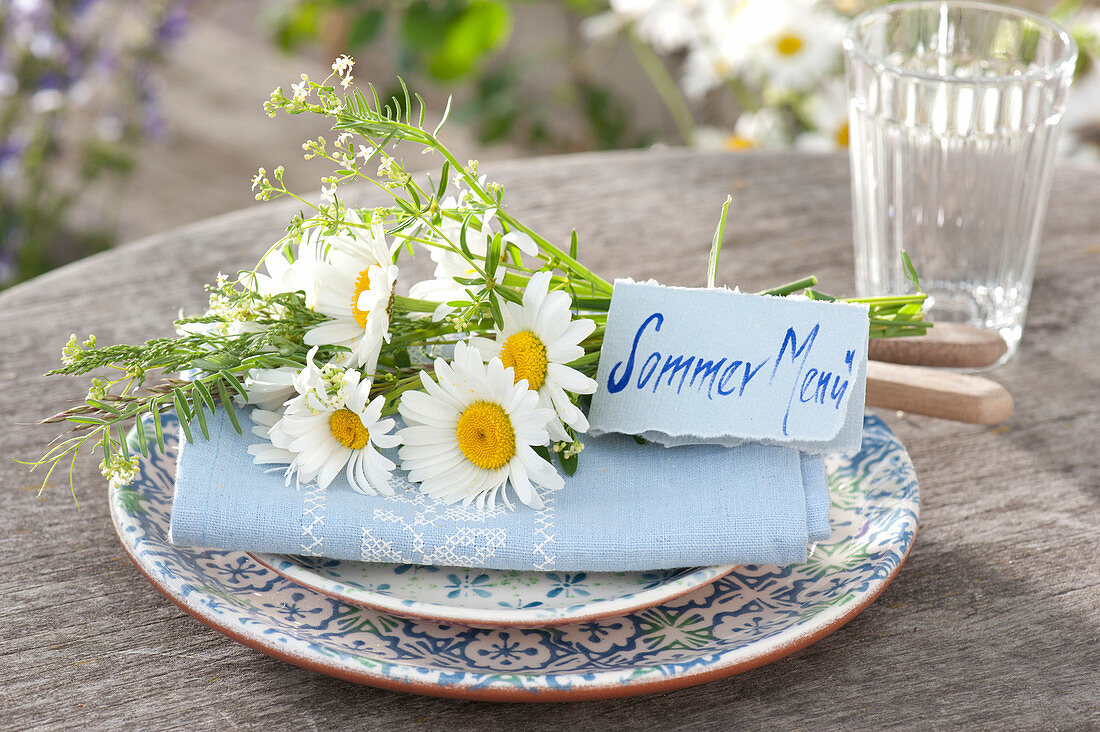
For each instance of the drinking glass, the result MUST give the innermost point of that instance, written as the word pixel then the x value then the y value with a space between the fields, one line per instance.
pixel 953 115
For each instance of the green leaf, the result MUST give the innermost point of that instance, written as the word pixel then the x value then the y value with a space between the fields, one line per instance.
pixel 230 379
pixel 123 443
pixel 364 27
pixel 158 428
pixel 78 419
pixel 142 441
pixel 462 237
pixel 443 180
pixel 424 24
pixel 909 269
pixel 483 27
pixel 573 245
pixel 198 398
pixel 716 244
pixel 299 26
pixel 492 257
pixel 494 308
pixel 568 464
pixel 443 119
pixel 183 414
pixel 205 394
pixel 227 402
pixel 104 406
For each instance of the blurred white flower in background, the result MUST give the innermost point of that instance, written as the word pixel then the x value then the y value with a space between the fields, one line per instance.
pixel 794 44
pixel 667 25
pixel 827 111
pixel 780 63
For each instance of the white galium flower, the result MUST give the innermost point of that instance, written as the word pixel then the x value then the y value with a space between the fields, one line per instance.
pixel 329 426
pixel 301 90
pixel 354 277
pixel 473 434
pixel 538 339
pixel 343 65
pixel 450 264
pixel 827 111
pixel 793 44
pixel 119 471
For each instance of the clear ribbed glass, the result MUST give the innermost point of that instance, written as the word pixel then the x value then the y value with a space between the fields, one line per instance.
pixel 954 110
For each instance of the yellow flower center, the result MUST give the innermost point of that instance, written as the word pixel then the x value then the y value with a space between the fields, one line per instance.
pixel 841 136
pixel 348 429
pixel 733 142
pixel 485 435
pixel 526 354
pixel 788 45
pixel 362 284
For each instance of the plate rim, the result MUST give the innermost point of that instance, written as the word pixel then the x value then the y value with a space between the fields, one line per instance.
pixel 605 684
pixel 593 692
pixel 439 612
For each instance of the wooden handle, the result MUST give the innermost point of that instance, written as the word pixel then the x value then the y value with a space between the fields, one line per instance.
pixel 971 399
pixel 947 344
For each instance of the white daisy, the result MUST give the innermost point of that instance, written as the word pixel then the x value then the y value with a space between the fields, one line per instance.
pixel 288 272
pixel 667 25
pixel 270 389
pixel 443 288
pixel 473 432
pixel 718 51
pixel 764 129
pixel 794 44
pixel 328 427
pixel 538 340
pixel 828 112
pixel 354 280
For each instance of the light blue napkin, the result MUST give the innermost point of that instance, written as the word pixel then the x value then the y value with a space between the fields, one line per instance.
pixel 628 507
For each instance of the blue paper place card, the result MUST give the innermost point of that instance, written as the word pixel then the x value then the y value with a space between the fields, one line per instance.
pixel 714 366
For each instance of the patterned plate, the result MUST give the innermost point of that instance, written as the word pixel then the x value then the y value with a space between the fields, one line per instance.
pixel 750 617
pixel 489 598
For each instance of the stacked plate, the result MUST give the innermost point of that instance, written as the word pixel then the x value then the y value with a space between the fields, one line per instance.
pixel 508 635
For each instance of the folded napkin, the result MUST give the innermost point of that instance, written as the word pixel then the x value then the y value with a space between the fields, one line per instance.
pixel 628 507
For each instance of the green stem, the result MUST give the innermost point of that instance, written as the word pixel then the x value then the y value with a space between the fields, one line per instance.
pixel 666 87
pixel 413 305
pixel 790 287
pixel 746 100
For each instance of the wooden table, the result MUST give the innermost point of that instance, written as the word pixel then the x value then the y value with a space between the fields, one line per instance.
pixel 993 622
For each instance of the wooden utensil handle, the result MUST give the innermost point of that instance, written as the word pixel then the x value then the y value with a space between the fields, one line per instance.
pixel 946 344
pixel 963 398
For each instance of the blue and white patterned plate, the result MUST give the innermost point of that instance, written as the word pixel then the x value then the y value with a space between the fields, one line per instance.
pixel 489 598
pixel 750 617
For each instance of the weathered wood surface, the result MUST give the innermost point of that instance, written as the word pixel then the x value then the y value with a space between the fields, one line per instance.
pixel 994 622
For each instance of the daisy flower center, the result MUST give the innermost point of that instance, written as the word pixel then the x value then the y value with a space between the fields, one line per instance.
pixel 526 354
pixel 485 435
pixel 841 136
pixel 348 429
pixel 788 45
pixel 362 284
pixel 733 142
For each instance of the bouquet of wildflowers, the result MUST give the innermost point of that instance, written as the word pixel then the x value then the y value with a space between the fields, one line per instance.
pixel 488 364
